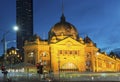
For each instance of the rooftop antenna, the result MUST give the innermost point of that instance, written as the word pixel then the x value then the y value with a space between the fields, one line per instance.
pixel 62 17
pixel 62 8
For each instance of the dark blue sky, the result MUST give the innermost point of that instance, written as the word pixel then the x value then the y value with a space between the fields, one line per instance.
pixel 99 19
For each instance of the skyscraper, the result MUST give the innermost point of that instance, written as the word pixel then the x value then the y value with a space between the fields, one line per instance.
pixel 24 20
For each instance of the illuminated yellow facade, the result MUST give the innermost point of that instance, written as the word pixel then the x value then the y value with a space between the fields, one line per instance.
pixel 65 51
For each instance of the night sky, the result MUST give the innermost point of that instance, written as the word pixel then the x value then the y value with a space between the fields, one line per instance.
pixel 99 19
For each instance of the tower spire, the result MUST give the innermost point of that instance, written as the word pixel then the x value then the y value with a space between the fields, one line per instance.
pixel 62 17
pixel 62 8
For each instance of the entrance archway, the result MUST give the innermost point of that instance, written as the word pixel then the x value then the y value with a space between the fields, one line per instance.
pixel 69 67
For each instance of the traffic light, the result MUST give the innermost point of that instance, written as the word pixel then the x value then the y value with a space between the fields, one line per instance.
pixel 39 68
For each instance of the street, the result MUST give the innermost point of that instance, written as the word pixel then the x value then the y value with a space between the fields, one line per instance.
pixel 64 77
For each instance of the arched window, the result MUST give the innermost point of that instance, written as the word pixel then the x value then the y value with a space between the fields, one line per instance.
pixel 69 67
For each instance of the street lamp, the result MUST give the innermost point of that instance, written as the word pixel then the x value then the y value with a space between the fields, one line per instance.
pixel 16 28
pixel 4 45
pixel 6 42
pixel 4 50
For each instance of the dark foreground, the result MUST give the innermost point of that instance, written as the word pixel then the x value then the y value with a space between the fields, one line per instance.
pixel 55 81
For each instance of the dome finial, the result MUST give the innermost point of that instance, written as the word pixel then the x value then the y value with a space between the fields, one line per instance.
pixel 62 7
pixel 62 17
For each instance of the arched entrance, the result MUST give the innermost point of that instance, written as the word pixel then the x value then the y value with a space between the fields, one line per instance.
pixel 69 67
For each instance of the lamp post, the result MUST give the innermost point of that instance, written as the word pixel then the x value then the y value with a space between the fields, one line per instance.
pixel 4 52
pixel 4 45
pixel 5 42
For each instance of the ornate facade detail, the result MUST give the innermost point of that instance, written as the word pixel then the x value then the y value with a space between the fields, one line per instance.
pixel 65 51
